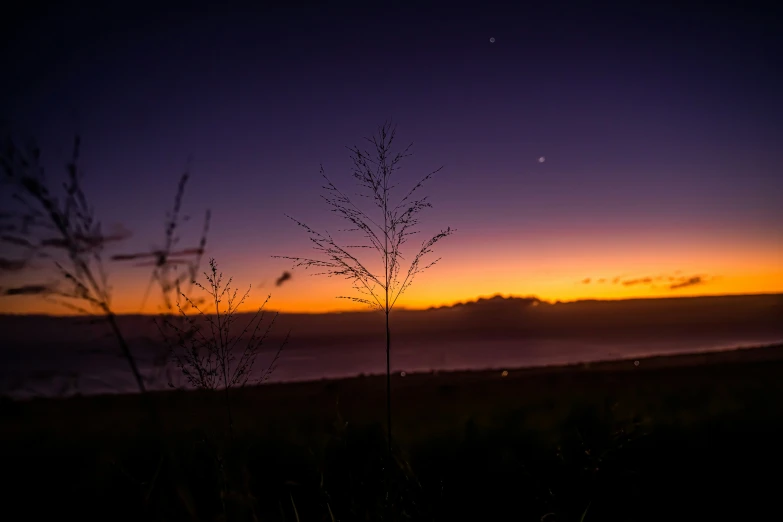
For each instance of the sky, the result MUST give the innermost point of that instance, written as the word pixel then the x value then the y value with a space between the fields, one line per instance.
pixel 659 129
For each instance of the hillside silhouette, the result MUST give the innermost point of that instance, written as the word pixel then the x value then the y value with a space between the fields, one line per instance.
pixel 484 318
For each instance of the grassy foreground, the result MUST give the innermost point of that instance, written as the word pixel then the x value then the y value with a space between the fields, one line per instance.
pixel 674 438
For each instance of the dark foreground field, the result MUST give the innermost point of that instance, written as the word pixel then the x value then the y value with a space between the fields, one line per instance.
pixel 674 438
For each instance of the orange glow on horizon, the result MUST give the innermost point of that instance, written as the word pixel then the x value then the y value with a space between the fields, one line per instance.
pixel 547 269
pixel 438 288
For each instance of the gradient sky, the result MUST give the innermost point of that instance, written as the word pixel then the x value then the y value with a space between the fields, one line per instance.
pixel 661 128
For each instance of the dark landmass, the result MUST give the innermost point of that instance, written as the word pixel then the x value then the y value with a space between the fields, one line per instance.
pixel 673 438
pixel 496 317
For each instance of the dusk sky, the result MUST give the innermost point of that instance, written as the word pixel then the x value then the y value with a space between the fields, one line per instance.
pixel 661 130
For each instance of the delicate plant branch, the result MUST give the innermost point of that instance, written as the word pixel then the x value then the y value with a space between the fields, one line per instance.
pixel 47 225
pixel 167 259
pixel 373 175
pixel 173 267
pixel 204 346
pixel 385 233
pixel 64 230
pixel 208 352
pixel 76 231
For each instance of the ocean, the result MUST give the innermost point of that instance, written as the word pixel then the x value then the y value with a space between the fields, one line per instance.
pixel 70 369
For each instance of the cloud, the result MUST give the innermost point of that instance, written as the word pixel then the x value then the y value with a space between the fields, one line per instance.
pixel 670 281
pixel 586 281
pixel 283 278
pixel 688 281
pixel 640 281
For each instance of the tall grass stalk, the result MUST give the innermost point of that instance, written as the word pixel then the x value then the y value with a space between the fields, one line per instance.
pixel 384 230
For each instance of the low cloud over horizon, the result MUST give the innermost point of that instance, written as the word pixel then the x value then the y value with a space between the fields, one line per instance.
pixel 673 282
pixel 686 282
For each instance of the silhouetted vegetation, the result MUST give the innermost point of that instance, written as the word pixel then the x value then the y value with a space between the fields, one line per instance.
pixel 214 353
pixel 384 230
pixel 208 352
pixel 65 231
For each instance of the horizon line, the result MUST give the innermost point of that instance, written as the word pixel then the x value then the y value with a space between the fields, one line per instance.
pixel 432 307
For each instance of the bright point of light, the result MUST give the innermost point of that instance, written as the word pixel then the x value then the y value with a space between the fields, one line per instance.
pixel 504 373
pixel 492 40
pixel 636 363
pixel 542 159
pixel 402 374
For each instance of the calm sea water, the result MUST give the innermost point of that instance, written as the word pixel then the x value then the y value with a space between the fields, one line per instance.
pixel 67 370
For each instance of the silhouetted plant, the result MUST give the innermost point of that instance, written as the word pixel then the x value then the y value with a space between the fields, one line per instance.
pixel 47 225
pixel 212 356
pixel 203 346
pixel 386 232
pixel 166 262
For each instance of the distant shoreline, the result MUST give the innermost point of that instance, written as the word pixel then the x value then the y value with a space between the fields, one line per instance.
pixel 755 353
pixel 738 355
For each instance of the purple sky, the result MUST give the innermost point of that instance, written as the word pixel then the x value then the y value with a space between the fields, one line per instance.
pixel 661 127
